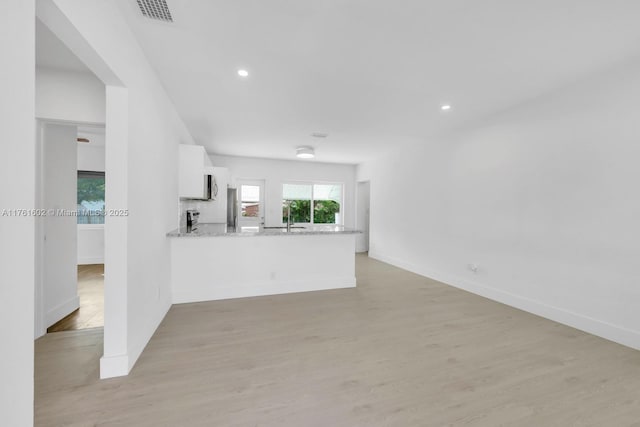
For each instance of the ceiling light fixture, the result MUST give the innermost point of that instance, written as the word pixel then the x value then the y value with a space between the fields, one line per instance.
pixel 243 73
pixel 305 152
pixel 445 107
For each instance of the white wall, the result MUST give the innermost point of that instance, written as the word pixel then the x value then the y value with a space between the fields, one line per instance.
pixel 17 242
pixel 141 163
pixel 91 158
pixel 90 244
pixel 69 95
pixel 91 236
pixel 277 172
pixel 543 198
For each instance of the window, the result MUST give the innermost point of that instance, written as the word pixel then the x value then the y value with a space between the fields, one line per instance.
pixel 312 203
pixel 90 197
pixel 250 203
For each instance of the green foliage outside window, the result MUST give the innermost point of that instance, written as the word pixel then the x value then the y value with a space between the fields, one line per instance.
pixel 90 189
pixel 324 211
pixel 300 211
pixel 90 197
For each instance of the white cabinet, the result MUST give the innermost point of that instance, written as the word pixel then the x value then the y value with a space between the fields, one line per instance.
pixel 220 204
pixel 194 163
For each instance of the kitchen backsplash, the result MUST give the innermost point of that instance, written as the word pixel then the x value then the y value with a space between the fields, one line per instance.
pixel 210 211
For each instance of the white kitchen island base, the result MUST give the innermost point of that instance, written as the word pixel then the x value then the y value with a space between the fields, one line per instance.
pixel 209 268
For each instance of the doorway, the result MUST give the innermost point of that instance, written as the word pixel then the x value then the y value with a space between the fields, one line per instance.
pixel 90 204
pixel 362 216
pixel 251 204
pixel 72 193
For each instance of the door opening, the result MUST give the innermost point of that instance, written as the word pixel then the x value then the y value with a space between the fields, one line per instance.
pixel 250 204
pixel 90 208
pixel 362 216
pixel 72 193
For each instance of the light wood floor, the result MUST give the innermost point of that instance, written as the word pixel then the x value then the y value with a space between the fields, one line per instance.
pixel 399 350
pixel 91 293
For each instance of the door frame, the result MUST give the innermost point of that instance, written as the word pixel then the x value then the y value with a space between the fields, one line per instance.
pixel 363 209
pixel 260 221
pixel 40 326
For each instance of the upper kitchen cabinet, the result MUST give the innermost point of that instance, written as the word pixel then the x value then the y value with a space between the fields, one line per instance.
pixel 193 170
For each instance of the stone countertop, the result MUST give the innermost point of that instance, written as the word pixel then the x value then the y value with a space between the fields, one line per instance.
pixel 222 230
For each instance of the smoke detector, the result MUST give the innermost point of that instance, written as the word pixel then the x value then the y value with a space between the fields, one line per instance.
pixel 155 9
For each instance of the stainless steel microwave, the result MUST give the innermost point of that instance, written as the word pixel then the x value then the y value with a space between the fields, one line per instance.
pixel 210 188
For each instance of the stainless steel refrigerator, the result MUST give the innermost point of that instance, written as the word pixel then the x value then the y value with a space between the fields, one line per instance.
pixel 232 207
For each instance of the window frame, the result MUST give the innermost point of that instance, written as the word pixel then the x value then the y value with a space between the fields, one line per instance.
pixel 312 184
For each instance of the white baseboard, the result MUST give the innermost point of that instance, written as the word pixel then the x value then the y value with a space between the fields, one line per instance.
pixel 261 288
pixel 151 327
pixel 121 365
pixel 61 310
pixel 603 329
pixel 91 260
pixel 114 366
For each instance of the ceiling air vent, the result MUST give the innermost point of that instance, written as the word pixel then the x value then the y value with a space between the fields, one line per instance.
pixel 155 9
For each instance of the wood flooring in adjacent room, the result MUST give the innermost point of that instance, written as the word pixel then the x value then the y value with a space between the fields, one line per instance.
pixel 398 350
pixel 91 293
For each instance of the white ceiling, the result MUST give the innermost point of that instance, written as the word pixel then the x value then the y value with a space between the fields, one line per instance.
pixel 52 53
pixel 370 73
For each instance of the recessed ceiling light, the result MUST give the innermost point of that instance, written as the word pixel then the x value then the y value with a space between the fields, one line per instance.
pixel 243 73
pixel 445 107
pixel 305 152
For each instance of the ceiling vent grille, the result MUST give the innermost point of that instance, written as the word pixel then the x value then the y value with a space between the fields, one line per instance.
pixel 155 9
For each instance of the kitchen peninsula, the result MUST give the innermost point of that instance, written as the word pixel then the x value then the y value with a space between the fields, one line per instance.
pixel 217 262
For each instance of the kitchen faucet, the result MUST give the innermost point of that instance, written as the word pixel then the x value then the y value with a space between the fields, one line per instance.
pixel 289 222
